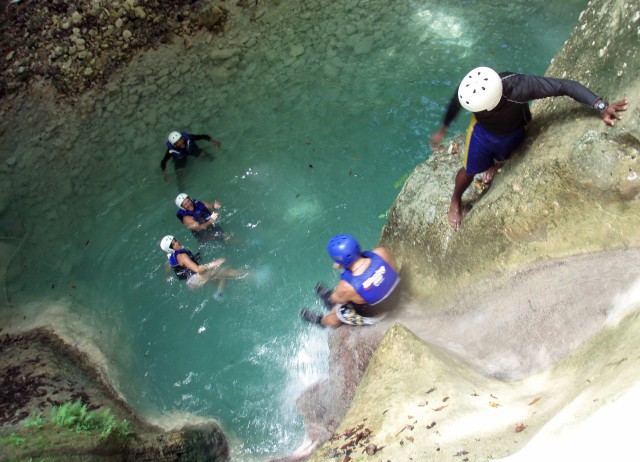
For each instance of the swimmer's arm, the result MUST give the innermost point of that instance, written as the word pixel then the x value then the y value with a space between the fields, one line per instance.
pixel 215 205
pixel 344 293
pixel 386 256
pixel 193 225
pixel 188 263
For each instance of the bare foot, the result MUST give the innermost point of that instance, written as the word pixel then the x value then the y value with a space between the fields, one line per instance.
pixel 455 215
pixel 487 176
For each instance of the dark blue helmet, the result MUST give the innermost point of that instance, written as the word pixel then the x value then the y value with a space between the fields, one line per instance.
pixel 344 249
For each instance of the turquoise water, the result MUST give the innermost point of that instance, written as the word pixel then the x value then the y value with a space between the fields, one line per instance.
pixel 320 114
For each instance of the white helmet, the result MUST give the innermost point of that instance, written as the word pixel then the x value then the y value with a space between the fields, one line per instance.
pixel 174 137
pixel 480 90
pixel 165 244
pixel 180 199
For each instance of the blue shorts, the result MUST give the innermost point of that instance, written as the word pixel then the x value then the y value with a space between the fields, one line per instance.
pixel 483 148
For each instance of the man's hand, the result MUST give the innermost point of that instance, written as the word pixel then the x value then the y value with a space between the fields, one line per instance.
pixel 611 112
pixel 437 137
pixel 214 217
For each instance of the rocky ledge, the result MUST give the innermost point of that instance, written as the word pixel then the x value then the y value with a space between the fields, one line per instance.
pixel 39 371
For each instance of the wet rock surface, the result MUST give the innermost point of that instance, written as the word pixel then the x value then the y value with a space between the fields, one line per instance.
pixel 77 45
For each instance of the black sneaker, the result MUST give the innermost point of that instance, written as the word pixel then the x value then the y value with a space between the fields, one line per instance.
pixel 325 295
pixel 310 316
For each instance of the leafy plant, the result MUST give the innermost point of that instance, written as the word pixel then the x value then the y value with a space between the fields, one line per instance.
pixel 37 421
pixel 77 417
pixel 14 440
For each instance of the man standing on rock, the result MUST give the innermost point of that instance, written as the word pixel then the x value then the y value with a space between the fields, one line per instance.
pixel 179 146
pixel 499 103
pixel 367 288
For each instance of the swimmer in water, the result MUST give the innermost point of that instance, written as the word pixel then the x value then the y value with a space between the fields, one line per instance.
pixel 186 266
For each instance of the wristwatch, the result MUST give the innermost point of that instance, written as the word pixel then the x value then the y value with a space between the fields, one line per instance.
pixel 601 106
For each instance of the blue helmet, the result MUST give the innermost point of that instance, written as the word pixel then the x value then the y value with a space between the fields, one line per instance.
pixel 344 249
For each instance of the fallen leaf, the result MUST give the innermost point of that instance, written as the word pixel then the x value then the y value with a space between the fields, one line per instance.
pixel 520 427
pixel 445 399
pixel 410 438
pixel 534 401
pixel 492 404
pixel 494 397
pixel 440 408
pixel 429 427
pixel 431 390
pixel 409 417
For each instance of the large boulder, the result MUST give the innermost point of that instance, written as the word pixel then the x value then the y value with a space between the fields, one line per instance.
pixel 573 187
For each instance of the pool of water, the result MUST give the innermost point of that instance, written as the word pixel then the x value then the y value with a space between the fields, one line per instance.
pixel 322 110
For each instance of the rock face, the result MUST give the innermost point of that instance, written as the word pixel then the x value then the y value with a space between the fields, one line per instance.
pixel 79 44
pixel 573 187
pixel 40 371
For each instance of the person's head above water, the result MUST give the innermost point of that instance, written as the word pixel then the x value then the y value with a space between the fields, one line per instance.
pixel 166 243
pixel 184 202
pixel 174 137
pixel 480 90
pixel 343 249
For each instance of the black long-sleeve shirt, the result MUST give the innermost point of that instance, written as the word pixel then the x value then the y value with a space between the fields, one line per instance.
pixel 512 112
pixel 194 150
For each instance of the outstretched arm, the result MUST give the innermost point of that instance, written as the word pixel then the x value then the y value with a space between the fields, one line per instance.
pixel 211 140
pixel 611 111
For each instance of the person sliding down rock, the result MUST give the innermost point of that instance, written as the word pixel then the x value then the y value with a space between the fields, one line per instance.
pixel 368 286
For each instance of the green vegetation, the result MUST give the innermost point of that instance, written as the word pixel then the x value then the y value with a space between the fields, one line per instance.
pixel 14 440
pixel 75 416
pixel 71 421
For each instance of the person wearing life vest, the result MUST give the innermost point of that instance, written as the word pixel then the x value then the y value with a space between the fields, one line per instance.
pixel 368 286
pixel 186 266
pixel 199 217
pixel 180 145
pixel 499 103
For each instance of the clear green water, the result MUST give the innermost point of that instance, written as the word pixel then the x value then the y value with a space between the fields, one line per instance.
pixel 313 145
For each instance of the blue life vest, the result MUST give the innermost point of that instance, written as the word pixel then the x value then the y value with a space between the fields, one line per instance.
pixel 182 272
pixel 190 148
pixel 200 213
pixel 376 283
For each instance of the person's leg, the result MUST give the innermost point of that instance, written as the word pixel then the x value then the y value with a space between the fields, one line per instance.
pixel 231 273
pixel 462 182
pixel 476 158
pixel 331 319
pixel 219 294
pixel 501 147
pixel 180 169
pixel 324 294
